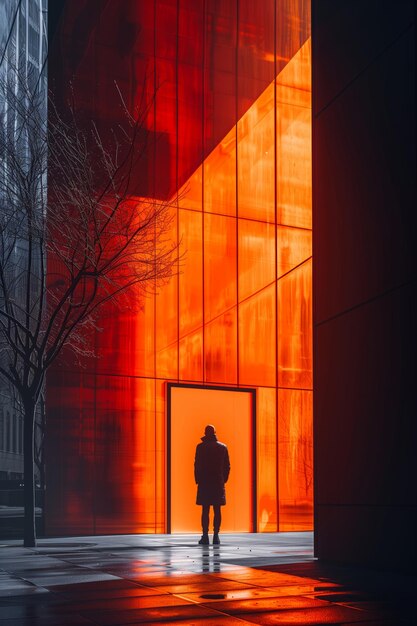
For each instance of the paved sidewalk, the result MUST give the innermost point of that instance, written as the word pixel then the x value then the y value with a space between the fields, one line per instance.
pixel 163 579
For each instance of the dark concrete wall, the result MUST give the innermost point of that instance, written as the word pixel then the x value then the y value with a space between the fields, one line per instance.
pixel 364 250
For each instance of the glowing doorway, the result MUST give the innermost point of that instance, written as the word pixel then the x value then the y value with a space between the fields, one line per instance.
pixel 232 411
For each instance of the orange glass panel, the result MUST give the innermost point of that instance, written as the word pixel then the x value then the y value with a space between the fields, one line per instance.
pixel 295 452
pixel 219 264
pixel 219 71
pixel 144 337
pixel 191 356
pixel 124 428
pixel 230 412
pixel 293 27
pixel 256 256
pixel 220 177
pixel 266 431
pixel 167 361
pixel 105 482
pixel 293 112
pixel 190 196
pixel 295 328
pixel 165 128
pixel 145 468
pixel 160 457
pixel 69 448
pixel 166 36
pixel 191 273
pixel 166 324
pixel 257 324
pixel 220 349
pixel 255 51
pixel 294 247
pixel 190 40
pixel 256 159
pixel 117 344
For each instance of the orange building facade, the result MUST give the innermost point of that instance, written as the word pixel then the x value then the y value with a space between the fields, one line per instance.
pixel 229 340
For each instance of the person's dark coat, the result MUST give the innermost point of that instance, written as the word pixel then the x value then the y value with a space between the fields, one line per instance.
pixel 211 471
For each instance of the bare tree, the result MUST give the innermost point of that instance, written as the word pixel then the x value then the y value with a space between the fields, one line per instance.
pixel 72 238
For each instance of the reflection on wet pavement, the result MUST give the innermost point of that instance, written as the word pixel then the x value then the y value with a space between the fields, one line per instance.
pixel 163 579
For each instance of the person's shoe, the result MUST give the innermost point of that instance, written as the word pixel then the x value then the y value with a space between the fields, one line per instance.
pixel 204 541
pixel 216 540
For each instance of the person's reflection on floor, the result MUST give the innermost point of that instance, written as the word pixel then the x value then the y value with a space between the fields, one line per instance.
pixel 216 559
pixel 205 560
pixel 210 559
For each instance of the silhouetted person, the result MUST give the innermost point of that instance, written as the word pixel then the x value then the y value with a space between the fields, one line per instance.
pixel 211 471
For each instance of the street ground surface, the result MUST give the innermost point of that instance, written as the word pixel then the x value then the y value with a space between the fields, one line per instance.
pixel 164 579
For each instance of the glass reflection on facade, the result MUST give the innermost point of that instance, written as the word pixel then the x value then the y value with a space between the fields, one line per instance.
pixel 230 141
pixel 23 45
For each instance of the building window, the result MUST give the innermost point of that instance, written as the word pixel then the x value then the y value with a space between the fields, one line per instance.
pixel 2 430
pixel 8 432
pixel 14 434
pixel 20 435
pixel 33 42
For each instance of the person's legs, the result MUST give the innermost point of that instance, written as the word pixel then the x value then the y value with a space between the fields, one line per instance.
pixel 217 519
pixel 205 524
pixel 205 518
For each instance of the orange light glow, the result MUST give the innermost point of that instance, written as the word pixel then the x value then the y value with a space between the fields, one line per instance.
pixel 273 289
pixel 220 177
pixel 293 115
pixel 230 412
pixel 256 159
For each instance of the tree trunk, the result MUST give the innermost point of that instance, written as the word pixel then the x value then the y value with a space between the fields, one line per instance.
pixel 29 533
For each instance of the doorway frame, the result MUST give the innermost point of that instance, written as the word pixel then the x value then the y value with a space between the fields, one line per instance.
pixel 252 392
